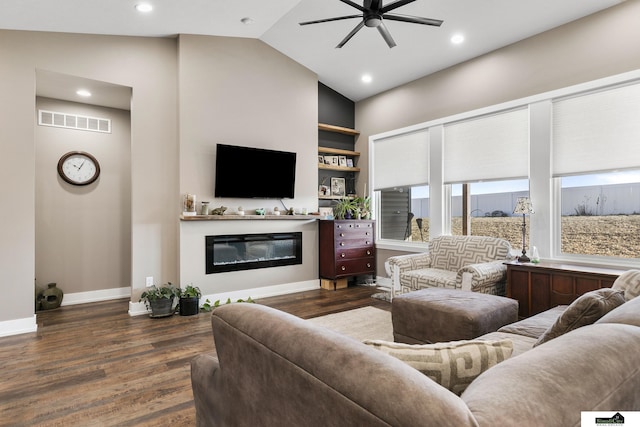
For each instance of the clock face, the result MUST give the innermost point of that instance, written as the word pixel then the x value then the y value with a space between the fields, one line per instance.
pixel 78 168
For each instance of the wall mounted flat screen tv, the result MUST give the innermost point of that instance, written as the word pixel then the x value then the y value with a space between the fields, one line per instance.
pixel 247 172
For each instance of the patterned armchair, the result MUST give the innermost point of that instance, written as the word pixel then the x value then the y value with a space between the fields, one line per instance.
pixel 474 263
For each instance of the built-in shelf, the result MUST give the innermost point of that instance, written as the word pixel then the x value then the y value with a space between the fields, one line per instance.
pixel 335 197
pixel 337 129
pixel 338 168
pixel 247 217
pixel 327 150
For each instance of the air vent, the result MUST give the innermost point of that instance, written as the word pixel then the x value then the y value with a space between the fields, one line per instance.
pixel 73 121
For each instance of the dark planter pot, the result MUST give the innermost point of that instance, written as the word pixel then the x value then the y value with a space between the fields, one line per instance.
pixel 189 306
pixel 162 307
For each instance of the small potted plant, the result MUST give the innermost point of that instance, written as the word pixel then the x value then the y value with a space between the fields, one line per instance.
pixel 363 207
pixel 189 300
pixel 344 209
pixel 160 299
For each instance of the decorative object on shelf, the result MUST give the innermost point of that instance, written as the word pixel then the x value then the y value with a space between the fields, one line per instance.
pixel 535 257
pixel 240 210
pixel 337 187
pixel 189 205
pixel 51 297
pixel 524 207
pixel 218 211
pixel 320 159
pixel 324 190
pixel 78 168
pixel 342 161
pixel 290 211
pixel 276 210
pixel 349 163
pixel 189 301
pixel 326 213
pixel 160 299
pixel 260 211
pixel 204 208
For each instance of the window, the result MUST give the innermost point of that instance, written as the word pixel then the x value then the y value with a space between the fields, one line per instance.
pixel 600 214
pixel 400 176
pixel 490 209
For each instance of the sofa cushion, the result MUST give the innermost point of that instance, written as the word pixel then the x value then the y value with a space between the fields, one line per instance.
pixel 453 364
pixel 628 313
pixel 535 326
pixel 629 283
pixel 583 311
pixel 429 278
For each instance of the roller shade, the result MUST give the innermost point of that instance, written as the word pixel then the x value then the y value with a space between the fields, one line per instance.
pixel 487 148
pixel 401 160
pixel 598 131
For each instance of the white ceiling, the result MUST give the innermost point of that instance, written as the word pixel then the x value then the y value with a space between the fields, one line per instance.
pixel 421 50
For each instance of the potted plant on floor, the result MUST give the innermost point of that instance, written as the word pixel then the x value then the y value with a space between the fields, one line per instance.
pixel 189 300
pixel 160 299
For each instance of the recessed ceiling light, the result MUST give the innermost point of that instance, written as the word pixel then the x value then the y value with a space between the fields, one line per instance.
pixel 457 39
pixel 247 21
pixel 366 78
pixel 144 7
pixel 83 92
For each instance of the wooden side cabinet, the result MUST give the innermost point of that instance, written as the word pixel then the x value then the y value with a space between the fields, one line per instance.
pixel 346 249
pixel 539 287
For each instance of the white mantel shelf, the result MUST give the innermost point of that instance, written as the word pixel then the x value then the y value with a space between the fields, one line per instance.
pixel 247 217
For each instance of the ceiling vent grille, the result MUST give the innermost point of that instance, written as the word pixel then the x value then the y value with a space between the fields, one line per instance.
pixel 73 121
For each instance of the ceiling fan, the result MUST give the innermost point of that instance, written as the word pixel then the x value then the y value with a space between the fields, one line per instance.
pixel 373 15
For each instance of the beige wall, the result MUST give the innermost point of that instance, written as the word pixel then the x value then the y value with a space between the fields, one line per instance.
pixel 243 92
pixel 83 233
pixel 601 45
pixel 148 66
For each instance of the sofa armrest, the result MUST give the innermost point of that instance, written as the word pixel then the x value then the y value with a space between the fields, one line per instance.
pixel 409 262
pixel 478 276
pixel 205 376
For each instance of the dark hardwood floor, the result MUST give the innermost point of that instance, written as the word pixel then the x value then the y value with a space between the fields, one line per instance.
pixel 94 365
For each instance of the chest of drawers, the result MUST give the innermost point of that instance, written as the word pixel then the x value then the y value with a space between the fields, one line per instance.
pixel 346 249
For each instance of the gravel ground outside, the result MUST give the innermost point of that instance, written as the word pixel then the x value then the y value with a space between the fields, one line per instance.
pixel 611 235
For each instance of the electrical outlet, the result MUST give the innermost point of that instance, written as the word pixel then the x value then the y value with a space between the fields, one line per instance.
pixel 149 281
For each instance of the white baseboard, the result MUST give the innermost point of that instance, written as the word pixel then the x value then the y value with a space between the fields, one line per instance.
pixel 18 326
pixel 138 308
pixel 95 296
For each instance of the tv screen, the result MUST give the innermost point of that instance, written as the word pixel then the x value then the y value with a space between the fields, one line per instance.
pixel 246 172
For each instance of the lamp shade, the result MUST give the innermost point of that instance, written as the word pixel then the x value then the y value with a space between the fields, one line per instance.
pixel 523 206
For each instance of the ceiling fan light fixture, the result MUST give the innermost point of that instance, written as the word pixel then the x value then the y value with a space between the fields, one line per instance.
pixel 373 21
pixel 366 78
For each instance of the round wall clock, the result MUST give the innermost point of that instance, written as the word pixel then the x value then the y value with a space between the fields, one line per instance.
pixel 78 168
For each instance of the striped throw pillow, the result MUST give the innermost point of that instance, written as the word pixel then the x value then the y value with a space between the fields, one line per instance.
pixel 453 365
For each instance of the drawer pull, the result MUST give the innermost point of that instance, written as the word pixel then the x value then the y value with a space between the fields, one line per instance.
pixel 341 243
pixel 338 226
pixel 357 225
pixel 368 242
pixel 368 265
pixel 343 268
pixel 341 234
pixel 368 252
pixel 367 233
pixel 342 255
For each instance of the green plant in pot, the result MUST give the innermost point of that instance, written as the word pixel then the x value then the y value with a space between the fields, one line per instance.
pixel 189 300
pixel 345 208
pixel 363 207
pixel 160 299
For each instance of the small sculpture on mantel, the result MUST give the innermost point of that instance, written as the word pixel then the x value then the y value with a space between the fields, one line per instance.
pixel 218 211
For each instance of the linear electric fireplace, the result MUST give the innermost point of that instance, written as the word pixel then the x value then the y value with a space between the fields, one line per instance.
pixel 237 252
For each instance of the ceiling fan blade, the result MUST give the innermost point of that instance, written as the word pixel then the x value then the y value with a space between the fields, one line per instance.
pixel 395 5
pixel 382 29
pixel 414 20
pixel 351 34
pixel 352 4
pixel 339 18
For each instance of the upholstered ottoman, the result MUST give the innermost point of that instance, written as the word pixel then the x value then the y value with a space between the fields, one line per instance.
pixel 439 314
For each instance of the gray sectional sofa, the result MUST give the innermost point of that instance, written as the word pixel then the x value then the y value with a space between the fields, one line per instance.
pixel 273 368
